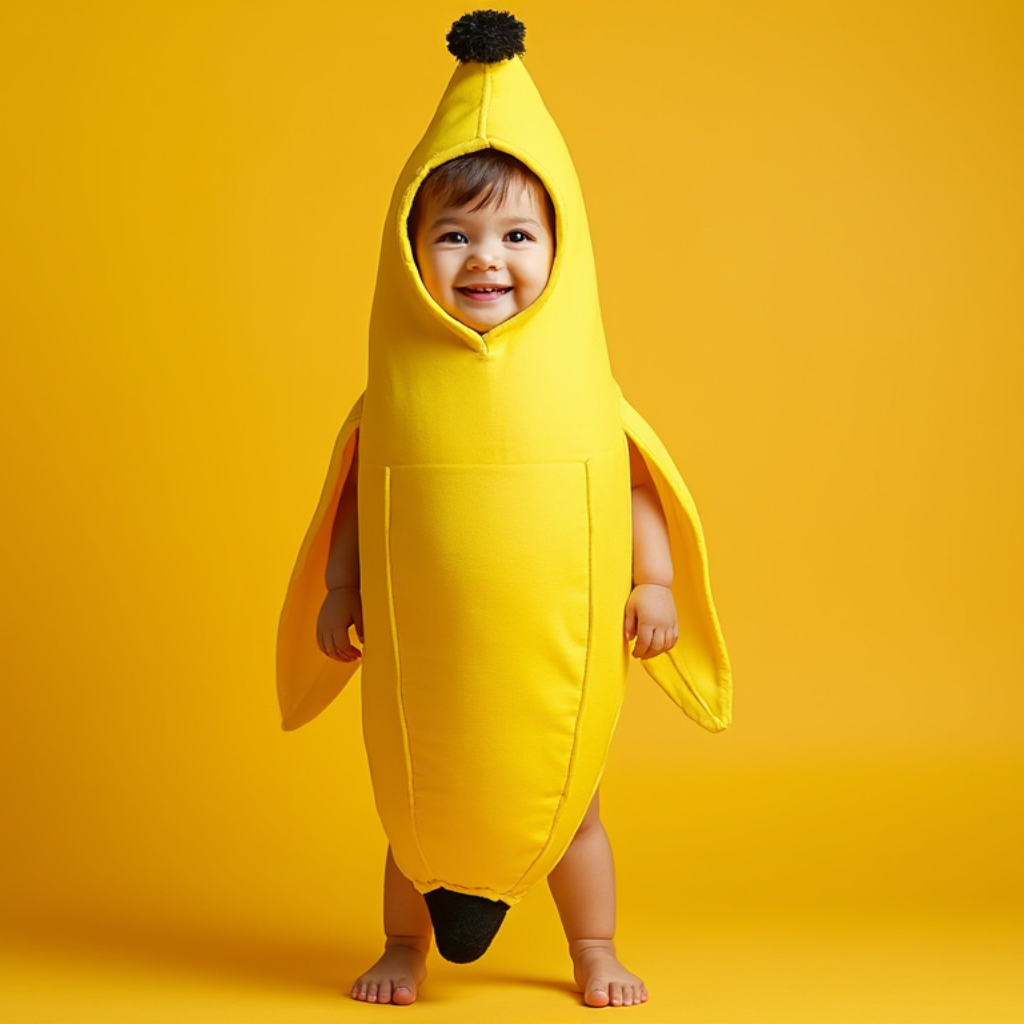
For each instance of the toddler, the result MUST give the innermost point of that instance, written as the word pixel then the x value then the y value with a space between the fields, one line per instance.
pixel 482 230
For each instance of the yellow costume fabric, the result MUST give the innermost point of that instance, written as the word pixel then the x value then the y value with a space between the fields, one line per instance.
pixel 495 543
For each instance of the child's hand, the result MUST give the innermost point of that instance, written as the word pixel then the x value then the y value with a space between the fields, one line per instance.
pixel 651 618
pixel 342 607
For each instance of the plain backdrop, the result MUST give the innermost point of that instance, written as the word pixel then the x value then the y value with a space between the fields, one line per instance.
pixel 808 223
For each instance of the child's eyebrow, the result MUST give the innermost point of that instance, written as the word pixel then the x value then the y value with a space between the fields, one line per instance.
pixel 454 220
pixel 445 222
pixel 529 221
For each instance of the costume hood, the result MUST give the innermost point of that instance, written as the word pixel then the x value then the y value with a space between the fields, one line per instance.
pixel 557 343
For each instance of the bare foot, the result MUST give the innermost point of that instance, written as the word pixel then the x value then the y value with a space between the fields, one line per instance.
pixel 601 978
pixel 394 978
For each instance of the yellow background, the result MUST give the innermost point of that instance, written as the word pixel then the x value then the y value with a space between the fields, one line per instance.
pixel 808 224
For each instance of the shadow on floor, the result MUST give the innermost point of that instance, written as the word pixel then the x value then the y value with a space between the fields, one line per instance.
pixel 213 950
pixel 526 981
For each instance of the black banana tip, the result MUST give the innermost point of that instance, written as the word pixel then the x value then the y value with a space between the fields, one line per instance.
pixel 464 925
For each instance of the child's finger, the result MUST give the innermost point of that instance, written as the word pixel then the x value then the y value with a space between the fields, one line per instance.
pixel 327 646
pixel 630 622
pixel 643 642
pixel 347 649
pixel 332 647
pixel 344 649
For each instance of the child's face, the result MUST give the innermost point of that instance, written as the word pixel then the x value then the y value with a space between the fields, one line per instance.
pixel 484 266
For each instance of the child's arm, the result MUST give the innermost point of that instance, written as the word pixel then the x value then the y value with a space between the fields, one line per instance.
pixel 343 560
pixel 342 606
pixel 650 610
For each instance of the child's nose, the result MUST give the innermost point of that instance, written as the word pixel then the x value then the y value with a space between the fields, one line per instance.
pixel 483 259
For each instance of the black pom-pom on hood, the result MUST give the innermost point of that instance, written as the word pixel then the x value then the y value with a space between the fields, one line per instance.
pixel 487 37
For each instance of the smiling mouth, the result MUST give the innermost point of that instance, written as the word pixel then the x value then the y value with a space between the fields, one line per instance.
pixel 484 293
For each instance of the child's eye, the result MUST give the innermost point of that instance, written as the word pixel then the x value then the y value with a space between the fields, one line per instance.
pixel 518 236
pixel 456 237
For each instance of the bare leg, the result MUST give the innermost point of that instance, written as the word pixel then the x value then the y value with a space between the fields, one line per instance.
pixel 583 885
pixel 395 977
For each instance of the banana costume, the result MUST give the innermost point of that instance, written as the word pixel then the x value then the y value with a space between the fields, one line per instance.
pixel 495 542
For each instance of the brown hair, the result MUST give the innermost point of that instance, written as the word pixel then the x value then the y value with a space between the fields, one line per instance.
pixel 487 174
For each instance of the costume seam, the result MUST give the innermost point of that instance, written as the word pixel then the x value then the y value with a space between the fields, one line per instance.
pixel 584 688
pixel 410 773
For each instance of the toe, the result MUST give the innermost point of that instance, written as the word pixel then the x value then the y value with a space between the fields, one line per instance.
pixel 384 992
pixel 597 996
pixel 371 995
pixel 615 993
pixel 403 995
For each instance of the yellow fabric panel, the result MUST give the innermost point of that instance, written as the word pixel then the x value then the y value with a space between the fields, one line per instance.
pixel 307 681
pixel 495 543
pixel 695 673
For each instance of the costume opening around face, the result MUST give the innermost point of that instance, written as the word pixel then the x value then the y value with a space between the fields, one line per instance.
pixel 495 544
